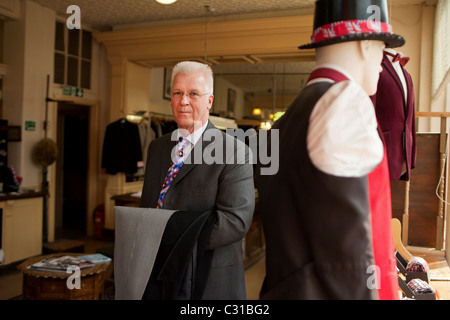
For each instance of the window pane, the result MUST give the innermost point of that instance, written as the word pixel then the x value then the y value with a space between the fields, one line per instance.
pixel 86 74
pixel 58 76
pixel 74 42
pixel 59 36
pixel 441 52
pixel 72 72
pixel 87 45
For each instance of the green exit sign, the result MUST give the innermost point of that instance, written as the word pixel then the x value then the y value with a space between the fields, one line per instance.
pixel 30 125
pixel 73 91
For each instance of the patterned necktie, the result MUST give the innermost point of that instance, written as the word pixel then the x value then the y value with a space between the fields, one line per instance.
pixel 173 171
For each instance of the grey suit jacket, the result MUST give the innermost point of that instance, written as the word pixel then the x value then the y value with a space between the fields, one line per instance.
pixel 224 186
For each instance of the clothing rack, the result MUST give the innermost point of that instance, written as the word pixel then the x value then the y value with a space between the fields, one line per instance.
pixel 160 116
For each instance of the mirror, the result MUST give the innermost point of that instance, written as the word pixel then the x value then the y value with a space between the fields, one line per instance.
pixel 241 90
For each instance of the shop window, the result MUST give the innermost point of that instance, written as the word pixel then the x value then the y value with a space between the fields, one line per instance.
pixel 73 54
pixel 441 52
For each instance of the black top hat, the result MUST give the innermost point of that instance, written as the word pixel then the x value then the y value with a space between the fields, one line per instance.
pixel 338 21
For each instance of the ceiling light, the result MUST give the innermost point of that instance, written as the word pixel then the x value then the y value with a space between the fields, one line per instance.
pixel 257 111
pixel 166 1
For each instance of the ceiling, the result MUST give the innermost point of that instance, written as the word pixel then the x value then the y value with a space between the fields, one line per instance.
pixel 104 15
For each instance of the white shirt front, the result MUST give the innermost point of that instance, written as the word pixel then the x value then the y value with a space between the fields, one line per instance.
pixel 399 71
pixel 342 138
pixel 192 138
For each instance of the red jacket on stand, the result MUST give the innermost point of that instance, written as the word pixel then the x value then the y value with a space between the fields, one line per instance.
pixel 396 119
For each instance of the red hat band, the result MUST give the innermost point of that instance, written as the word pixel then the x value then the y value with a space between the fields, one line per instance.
pixel 351 27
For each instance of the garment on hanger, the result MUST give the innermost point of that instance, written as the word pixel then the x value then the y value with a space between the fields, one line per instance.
pixel 156 126
pixel 146 134
pixel 122 149
pixel 395 109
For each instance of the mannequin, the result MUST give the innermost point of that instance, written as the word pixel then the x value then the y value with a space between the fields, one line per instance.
pixel 364 66
pixel 328 221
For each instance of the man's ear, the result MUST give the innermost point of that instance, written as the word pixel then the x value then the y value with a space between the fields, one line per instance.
pixel 210 101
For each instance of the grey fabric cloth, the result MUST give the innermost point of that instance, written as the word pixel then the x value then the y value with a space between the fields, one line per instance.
pixel 224 186
pixel 138 233
pixel 182 266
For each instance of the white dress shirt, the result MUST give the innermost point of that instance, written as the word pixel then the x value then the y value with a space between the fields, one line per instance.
pixel 343 139
pixel 192 138
pixel 399 71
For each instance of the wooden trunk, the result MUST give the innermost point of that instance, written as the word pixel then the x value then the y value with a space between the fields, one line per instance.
pixel 424 205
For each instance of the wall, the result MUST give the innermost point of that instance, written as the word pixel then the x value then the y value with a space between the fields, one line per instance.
pixel 221 87
pixel 416 24
pixel 157 103
pixel 138 88
pixel 29 62
pixel 28 56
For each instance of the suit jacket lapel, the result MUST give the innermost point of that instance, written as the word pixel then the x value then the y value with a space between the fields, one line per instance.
pixel 409 85
pixel 390 68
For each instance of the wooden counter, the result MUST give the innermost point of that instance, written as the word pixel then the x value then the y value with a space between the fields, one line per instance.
pixel 22 223
pixel 126 200
pixel 20 195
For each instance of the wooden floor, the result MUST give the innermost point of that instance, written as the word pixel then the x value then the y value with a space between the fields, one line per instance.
pixel 439 277
pixel 439 274
pixel 11 280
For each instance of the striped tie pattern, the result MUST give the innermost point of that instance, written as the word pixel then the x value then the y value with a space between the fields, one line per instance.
pixel 172 172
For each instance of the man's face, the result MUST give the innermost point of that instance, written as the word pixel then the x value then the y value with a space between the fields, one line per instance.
pixel 191 102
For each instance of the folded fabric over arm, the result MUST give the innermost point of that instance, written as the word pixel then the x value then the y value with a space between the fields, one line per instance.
pixel 182 265
pixel 138 233
pixel 160 254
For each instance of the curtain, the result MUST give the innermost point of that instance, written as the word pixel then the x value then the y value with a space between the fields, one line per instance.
pixel 441 54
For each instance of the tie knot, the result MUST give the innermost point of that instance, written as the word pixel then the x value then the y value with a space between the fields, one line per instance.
pixel 182 143
pixel 180 146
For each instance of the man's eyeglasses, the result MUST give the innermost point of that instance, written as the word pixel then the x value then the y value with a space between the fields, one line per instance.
pixel 193 96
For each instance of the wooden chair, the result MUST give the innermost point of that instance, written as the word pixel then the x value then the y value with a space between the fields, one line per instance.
pixel 397 232
pixel 403 256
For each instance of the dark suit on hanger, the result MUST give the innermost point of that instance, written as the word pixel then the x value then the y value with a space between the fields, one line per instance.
pixel 226 188
pixel 121 147
pixel 396 118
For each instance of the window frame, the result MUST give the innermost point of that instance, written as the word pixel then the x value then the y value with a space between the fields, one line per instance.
pixel 79 57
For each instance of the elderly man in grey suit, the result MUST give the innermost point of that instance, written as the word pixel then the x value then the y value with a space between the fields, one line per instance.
pixel 210 179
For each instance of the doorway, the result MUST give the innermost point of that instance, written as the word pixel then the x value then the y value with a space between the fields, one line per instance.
pixel 71 170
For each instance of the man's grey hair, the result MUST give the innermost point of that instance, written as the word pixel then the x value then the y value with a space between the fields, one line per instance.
pixel 186 67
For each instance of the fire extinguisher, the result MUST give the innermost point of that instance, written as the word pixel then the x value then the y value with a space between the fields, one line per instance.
pixel 99 221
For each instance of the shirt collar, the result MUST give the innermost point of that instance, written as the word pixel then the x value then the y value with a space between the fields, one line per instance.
pixel 194 136
pixel 392 51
